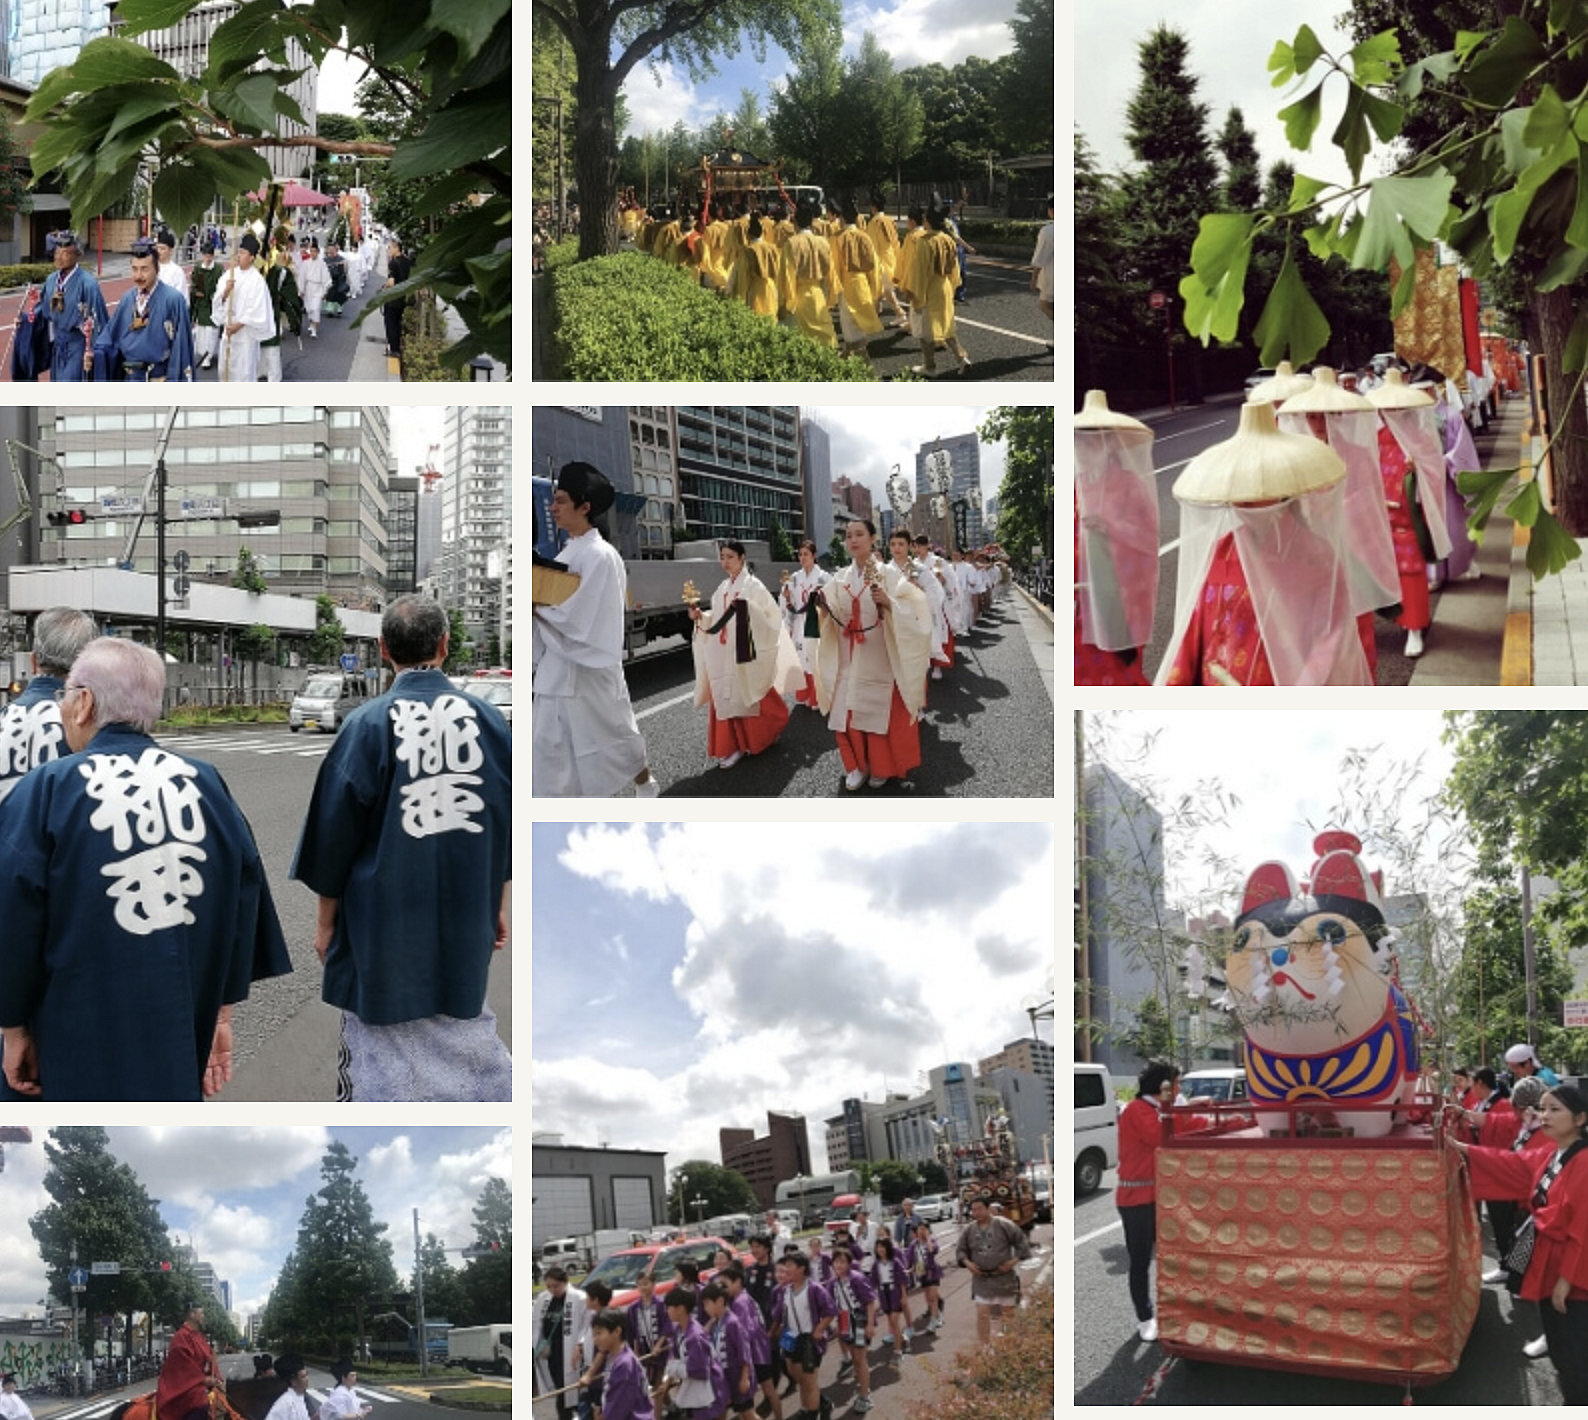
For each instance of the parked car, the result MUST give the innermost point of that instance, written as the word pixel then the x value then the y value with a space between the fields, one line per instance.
pixel 934 1208
pixel 495 690
pixel 1257 377
pixel 1214 1084
pixel 622 1270
pixel 326 700
pixel 1096 1128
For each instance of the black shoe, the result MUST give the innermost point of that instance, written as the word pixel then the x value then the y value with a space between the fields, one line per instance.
pixel 826 1410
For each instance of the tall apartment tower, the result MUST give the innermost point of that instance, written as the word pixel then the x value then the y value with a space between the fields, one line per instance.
pixel 739 466
pixel 965 452
pixel 41 35
pixel 476 512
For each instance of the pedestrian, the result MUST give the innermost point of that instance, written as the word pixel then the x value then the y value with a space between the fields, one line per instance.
pixel 190 1374
pixel 1524 1120
pixel 314 280
pixel 1524 1061
pixel 30 726
pixel 171 273
pixel 244 314
pixel 855 1305
pixel 342 1403
pixel 587 743
pixel 802 1315
pixel 263 1366
pixel 398 269
pixel 1547 1261
pixel 558 1324
pixel 286 306
pixel 1462 1087
pixel 57 334
pixel 927 1273
pixel 900 547
pixel 857 275
pixel 806 279
pixel 337 292
pixel 889 1277
pixel 884 234
pixel 821 1264
pixel 731 1350
pixel 872 665
pixel 941 592
pixel 803 621
pixel 203 282
pixel 149 337
pixel 915 232
pixel 754 277
pixel 1139 1136
pixel 744 662
pixel 647 1326
pixel 990 1248
pixel 1042 267
pixel 291 1403
pixel 961 247
pixel 625 1396
pixel 592 1383
pixel 417 789
pixel 693 1375
pixel 753 1321
pixel 12 1406
pixel 135 904
pixel 932 279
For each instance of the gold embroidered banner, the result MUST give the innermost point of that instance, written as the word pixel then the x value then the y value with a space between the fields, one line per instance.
pixel 1429 329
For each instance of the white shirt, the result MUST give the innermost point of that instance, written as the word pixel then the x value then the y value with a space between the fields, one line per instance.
pixel 289 1406
pixel 1042 259
pixel 13 1407
pixel 587 629
pixel 341 1401
pixel 174 277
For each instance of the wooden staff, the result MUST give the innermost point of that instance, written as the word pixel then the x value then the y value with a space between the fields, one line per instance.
pixel 231 291
pixel 28 296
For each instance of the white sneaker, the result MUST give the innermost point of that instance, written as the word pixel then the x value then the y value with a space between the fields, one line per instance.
pixel 937 673
pixel 1538 1348
pixel 1495 1274
pixel 1414 643
pixel 854 779
pixel 731 760
pixel 650 789
pixel 1148 1330
pixel 876 781
pixel 909 1335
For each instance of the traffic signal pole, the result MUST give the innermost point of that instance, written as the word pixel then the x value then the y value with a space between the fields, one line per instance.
pixel 159 556
pixel 419 1293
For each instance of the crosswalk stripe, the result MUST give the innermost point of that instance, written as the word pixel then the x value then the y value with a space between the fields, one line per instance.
pixel 362 1393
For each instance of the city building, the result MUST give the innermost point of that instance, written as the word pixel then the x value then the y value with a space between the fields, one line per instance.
pixel 185 46
pixel 854 497
pixel 322 468
pixel 37 36
pixel 402 535
pixel 964 451
pixel 816 469
pixel 576 1190
pixel 476 510
pixel 766 1162
pixel 954 1095
pixel 1028 1101
pixel 858 1134
pixel 598 435
pixel 225 1294
pixel 203 1272
pixel 653 448
pixel 738 469
pixel 1029 1054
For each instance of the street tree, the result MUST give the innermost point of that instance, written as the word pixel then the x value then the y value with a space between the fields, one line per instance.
pixel 700 1189
pixel 887 119
pixel 896 1181
pixel 806 122
pixel 1026 98
pixel 248 575
pixel 961 127
pixel 778 541
pixel 933 1177
pixel 610 37
pixel 325 645
pixel 445 1296
pixel 1243 170
pixel 1108 311
pixel 488 1280
pixel 1025 498
pixel 118 107
pixel 460 651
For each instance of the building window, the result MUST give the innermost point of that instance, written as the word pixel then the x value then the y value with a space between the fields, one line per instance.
pixel 344 419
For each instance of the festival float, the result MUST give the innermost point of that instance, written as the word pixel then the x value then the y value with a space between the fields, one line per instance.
pixel 1324 1226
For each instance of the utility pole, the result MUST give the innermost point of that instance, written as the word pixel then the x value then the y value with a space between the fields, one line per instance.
pixel 1527 955
pixel 419 1293
pixel 159 555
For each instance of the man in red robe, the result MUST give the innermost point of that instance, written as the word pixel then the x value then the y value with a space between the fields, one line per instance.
pixel 189 1372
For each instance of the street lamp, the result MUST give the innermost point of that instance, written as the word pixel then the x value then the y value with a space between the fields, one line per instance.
pixel 699 1203
pixel 1038 1010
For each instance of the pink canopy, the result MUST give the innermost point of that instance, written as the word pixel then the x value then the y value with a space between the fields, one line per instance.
pixel 296 194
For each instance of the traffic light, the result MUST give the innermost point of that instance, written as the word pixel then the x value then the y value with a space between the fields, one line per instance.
pixel 68 518
pixel 165 1266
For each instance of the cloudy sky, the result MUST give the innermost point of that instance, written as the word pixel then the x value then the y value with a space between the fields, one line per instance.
pixel 866 443
pixel 1286 772
pixel 414 428
pixel 237 1194
pixel 683 984
pixel 914 32
pixel 1230 44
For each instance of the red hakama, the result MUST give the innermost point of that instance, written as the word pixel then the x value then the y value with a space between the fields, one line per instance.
pixel 1223 629
pixel 889 756
pixel 749 734
pixel 1416 612
pixel 947 663
pixel 807 695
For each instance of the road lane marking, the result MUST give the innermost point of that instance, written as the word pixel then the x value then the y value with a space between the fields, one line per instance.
pixel 1117 1223
pixel 1178 433
pixel 1168 547
pixel 1170 467
pixel 665 705
pixel 999 330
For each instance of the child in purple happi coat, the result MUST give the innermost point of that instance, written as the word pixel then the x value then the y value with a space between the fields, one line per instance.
pixel 888 1277
pixel 731 1348
pixel 649 1329
pixel 693 1376
pixel 625 1396
pixel 855 1300
pixel 927 1274
pixel 802 1315
pixel 753 1324
pixel 821 1265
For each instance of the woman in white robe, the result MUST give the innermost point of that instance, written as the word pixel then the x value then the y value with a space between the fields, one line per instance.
pixel 934 570
pixel 899 544
pixel 744 663
pixel 871 668
pixel 799 610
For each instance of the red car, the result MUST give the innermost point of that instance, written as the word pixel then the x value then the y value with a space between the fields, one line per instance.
pixel 621 1271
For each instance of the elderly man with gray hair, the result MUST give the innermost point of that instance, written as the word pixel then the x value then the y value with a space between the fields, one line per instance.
pixel 135 904
pixel 408 844
pixel 30 726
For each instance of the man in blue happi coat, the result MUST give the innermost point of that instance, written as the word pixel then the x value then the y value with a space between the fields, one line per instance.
pixel 408 843
pixel 50 336
pixel 149 339
pixel 30 726
pixel 134 904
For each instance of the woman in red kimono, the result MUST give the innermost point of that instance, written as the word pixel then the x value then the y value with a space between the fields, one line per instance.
pixel 1553 1179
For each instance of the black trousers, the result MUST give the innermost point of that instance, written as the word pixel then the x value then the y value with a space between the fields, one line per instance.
pixel 393 316
pixel 1502 1218
pixel 1141 1236
pixel 1568 1348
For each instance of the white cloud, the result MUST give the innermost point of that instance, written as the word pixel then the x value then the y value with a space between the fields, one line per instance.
pixel 184 1165
pixel 660 97
pixel 916 32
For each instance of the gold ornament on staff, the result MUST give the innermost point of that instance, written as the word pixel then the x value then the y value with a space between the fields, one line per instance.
pixel 787 578
pixel 691 594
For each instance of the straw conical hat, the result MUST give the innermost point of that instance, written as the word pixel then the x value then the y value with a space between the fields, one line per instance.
pixel 1395 393
pixel 1325 397
pixel 1095 414
pixel 1283 383
pixel 1259 464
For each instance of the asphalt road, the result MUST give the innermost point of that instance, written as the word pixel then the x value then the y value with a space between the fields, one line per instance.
pixel 1179 438
pixel 981 734
pixel 284 1037
pixel 1113 1366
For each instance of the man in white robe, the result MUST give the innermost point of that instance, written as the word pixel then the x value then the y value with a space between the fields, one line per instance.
pixel 171 272
pixel 314 280
pixel 557 1322
pixel 244 314
pixel 587 743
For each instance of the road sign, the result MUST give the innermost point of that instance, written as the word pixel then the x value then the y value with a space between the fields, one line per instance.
pixel 78 1276
pixel 106 1269
pixel 181 584
pixel 182 561
pixel 1576 1013
pixel 349 661
pixel 203 507
pixel 1157 300
pixel 489 1250
pixel 120 507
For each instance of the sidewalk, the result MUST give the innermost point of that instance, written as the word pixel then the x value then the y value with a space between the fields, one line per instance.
pixel 1552 616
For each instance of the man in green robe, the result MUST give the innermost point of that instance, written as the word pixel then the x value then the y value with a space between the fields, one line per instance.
pixel 287 303
pixel 202 282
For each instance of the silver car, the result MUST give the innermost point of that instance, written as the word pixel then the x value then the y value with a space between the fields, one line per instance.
pixel 327 699
pixel 494 690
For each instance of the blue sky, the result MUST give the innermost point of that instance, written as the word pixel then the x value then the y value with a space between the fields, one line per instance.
pixel 688 977
pixel 237 1194
pixel 914 32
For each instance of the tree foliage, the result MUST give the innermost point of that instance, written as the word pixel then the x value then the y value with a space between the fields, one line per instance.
pixel 895 1181
pixel 324 648
pixel 1026 99
pixel 117 106
pixel 488 1281
pixel 1025 498
pixel 700 1189
pixel 1243 173
pixel 248 576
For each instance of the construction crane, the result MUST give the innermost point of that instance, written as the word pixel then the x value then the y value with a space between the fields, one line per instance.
pixel 430 473
pixel 156 474
pixel 24 506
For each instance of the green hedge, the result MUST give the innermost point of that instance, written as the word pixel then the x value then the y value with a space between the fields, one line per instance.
pixel 560 253
pixel 34 271
pixel 629 317
pixel 989 229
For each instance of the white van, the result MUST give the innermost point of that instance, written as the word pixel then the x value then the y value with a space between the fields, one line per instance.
pixel 1096 1128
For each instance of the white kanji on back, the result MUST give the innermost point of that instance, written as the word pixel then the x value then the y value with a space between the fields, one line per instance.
pixel 30 735
pixel 153 800
pixel 441 742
